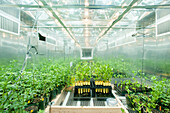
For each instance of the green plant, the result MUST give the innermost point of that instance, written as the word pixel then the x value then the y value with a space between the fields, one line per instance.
pixel 106 72
pixel 41 111
pixel 122 110
pixel 158 98
pixel 142 102
pixel 18 90
pixel 161 92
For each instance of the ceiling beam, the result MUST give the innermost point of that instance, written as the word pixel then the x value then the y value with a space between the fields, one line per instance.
pixel 117 20
pixel 59 20
pixel 95 20
pixel 85 27
pixel 165 6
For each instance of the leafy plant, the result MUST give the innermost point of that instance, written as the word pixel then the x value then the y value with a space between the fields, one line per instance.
pixel 18 90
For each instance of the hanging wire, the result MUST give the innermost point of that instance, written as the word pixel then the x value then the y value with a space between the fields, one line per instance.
pixel 29 43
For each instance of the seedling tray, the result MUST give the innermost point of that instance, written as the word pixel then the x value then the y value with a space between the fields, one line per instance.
pixel 122 92
pixel 103 96
pixel 87 86
pixel 80 87
pixel 109 87
pixel 81 96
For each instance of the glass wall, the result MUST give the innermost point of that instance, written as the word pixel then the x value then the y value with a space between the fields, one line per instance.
pixel 147 49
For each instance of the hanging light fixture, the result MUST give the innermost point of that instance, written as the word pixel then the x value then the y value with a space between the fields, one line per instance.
pixel 40 3
pixel 86 13
pixel 86 3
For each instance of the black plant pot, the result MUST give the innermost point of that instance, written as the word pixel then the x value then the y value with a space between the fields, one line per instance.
pixel 59 88
pixel 41 104
pixel 47 99
pixel 56 90
pixel 52 94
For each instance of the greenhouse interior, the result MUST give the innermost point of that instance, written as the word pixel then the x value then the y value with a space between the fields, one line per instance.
pixel 84 56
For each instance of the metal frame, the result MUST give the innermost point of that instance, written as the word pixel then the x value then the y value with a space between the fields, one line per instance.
pixel 166 6
pixel 59 20
pixel 117 20
pixel 105 20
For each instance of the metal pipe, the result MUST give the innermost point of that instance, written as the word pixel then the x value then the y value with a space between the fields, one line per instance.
pixel 165 6
pixel 117 20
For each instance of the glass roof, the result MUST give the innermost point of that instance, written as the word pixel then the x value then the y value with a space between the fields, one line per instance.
pixel 88 22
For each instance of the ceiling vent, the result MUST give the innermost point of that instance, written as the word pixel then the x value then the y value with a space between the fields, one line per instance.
pixel 10 20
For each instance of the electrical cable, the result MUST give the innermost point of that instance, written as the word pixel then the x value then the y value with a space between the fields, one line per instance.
pixel 29 45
